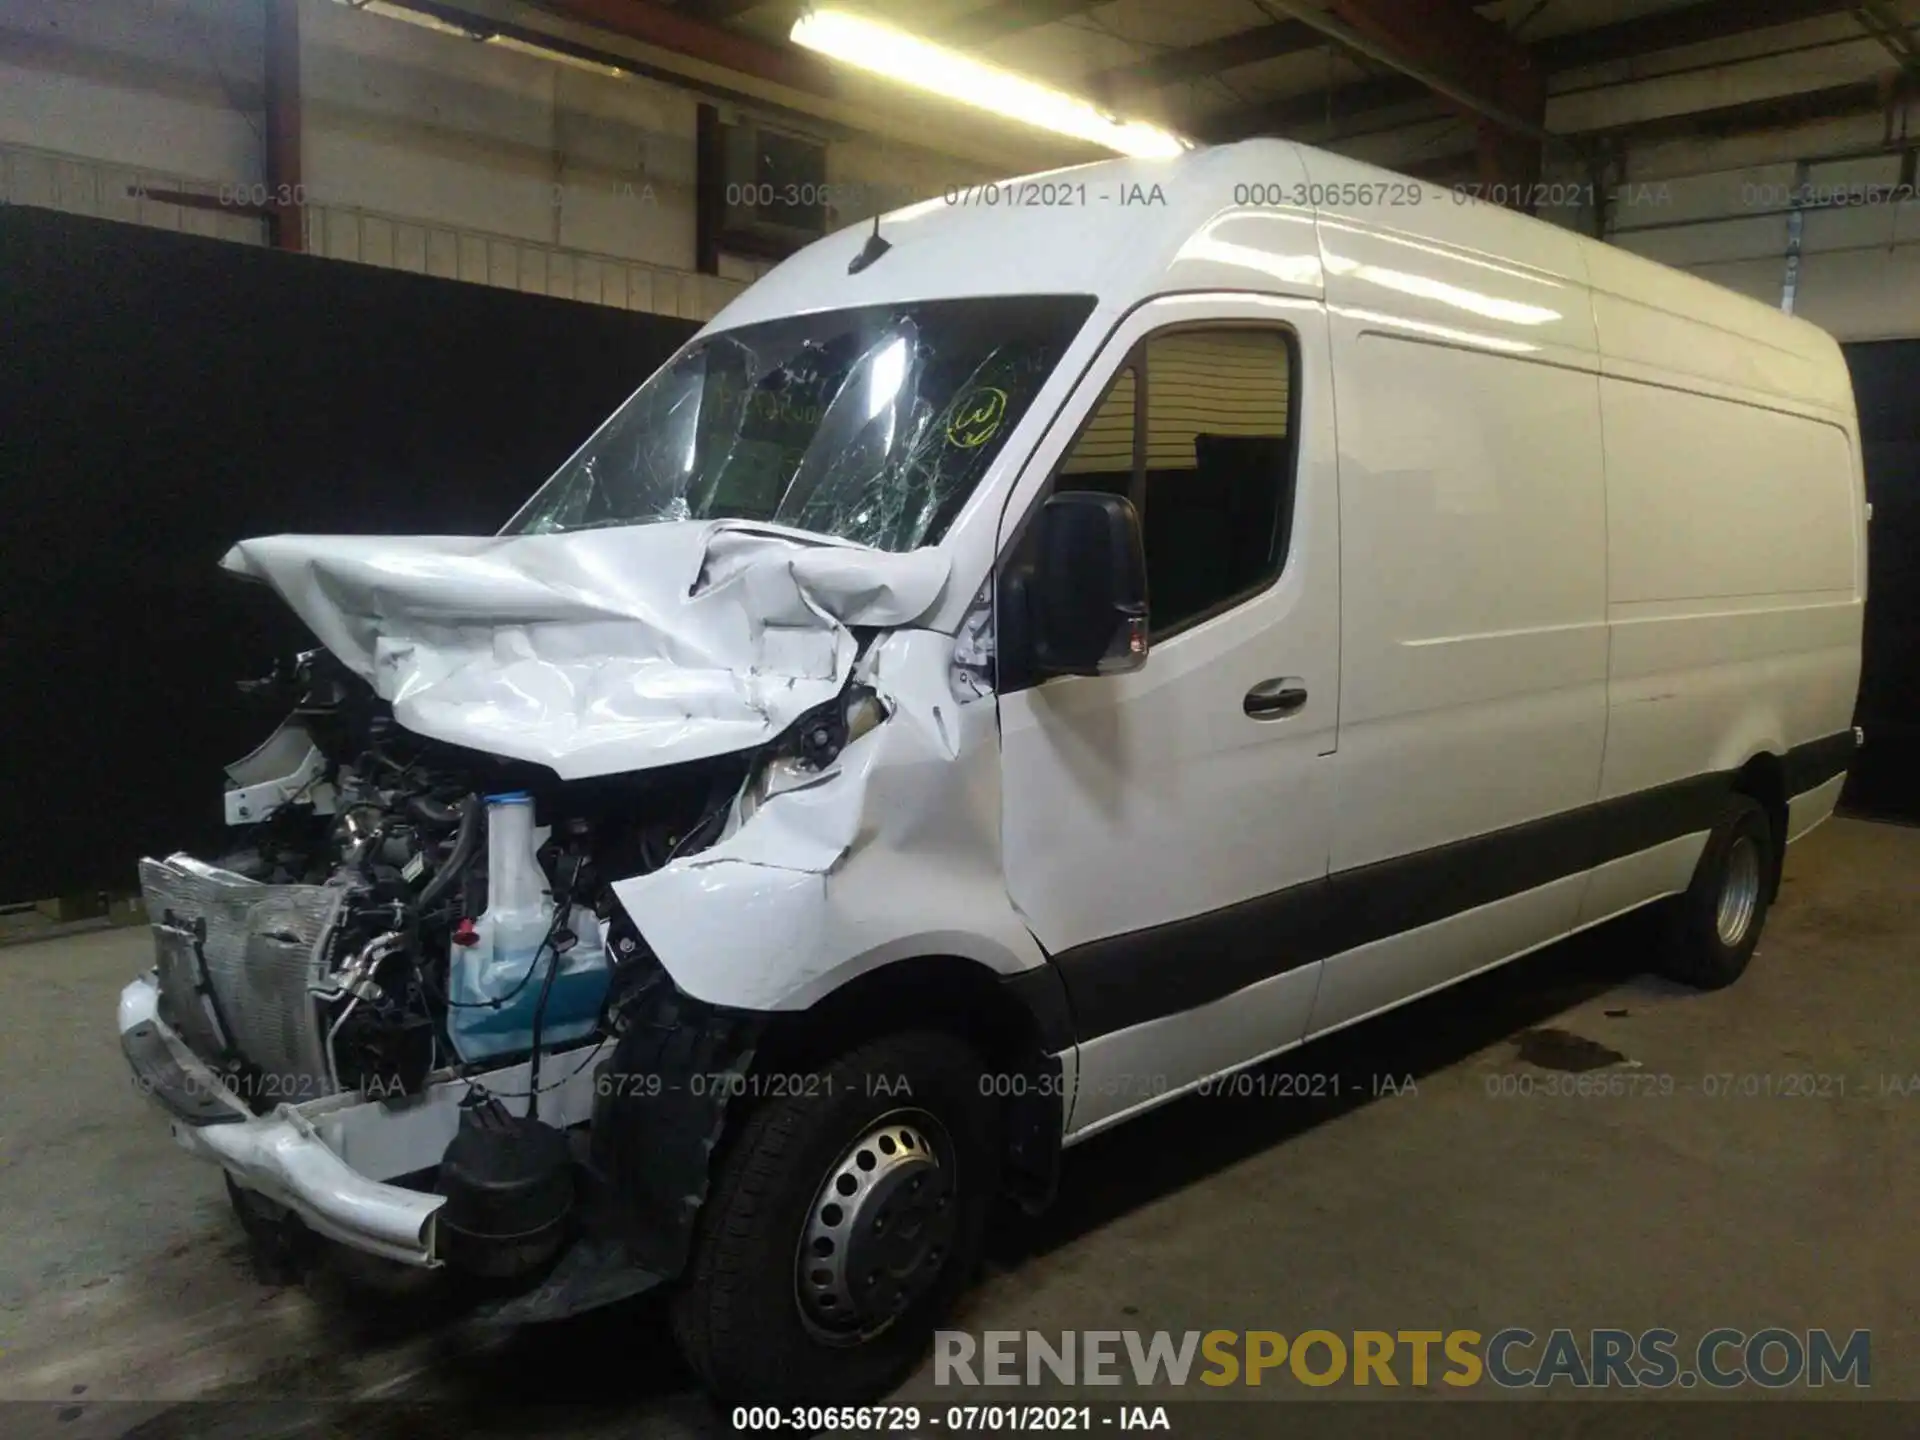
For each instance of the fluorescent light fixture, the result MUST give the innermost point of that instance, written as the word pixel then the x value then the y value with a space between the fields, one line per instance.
pixel 896 55
pixel 559 57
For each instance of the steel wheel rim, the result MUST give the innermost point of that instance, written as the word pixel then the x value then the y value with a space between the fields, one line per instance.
pixel 877 1236
pixel 1739 892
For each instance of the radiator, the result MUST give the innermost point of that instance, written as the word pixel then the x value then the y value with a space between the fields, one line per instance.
pixel 237 962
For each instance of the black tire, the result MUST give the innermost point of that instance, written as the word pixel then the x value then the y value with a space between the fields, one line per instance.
pixel 280 1247
pixel 1711 930
pixel 737 1313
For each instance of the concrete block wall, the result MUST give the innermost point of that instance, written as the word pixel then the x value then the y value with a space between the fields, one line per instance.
pixel 423 151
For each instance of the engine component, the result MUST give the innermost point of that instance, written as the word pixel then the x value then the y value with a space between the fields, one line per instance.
pixel 498 984
pixel 355 938
pixel 508 1180
pixel 381 1046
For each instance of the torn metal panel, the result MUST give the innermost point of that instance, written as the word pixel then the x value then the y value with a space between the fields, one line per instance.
pixel 285 768
pixel 975 648
pixel 891 852
pixel 601 651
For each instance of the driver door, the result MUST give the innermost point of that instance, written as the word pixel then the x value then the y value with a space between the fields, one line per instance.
pixel 1166 831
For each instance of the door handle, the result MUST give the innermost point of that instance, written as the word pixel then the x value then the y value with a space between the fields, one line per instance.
pixel 1276 699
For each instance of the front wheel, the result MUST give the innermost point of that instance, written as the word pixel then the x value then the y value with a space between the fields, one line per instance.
pixel 844 1220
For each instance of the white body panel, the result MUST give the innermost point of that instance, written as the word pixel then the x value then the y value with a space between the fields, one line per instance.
pixel 1136 800
pixel 894 853
pixel 1593 537
pixel 1133 1070
pixel 1619 885
pixel 1808 810
pixel 1736 523
pixel 1473 598
pixel 1404 967
pixel 1133 800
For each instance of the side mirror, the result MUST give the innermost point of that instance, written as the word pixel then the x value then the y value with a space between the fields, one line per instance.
pixel 1087 595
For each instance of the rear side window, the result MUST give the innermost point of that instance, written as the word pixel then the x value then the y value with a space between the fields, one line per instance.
pixel 1197 430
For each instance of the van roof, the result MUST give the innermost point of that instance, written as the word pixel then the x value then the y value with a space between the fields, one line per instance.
pixel 1125 230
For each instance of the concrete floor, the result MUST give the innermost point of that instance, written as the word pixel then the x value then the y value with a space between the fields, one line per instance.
pixel 125 1289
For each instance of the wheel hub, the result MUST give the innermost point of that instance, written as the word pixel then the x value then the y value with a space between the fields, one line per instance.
pixel 1739 891
pixel 879 1230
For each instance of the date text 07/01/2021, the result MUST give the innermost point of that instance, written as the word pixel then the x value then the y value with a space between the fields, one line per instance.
pixel 953 1419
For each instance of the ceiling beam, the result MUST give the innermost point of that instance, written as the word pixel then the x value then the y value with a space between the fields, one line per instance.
pixel 1889 27
pixel 1473 65
pixel 1317 107
pixel 686 34
pixel 1777 112
pixel 1229 52
pixel 718 12
pixel 1694 24
pixel 1009 17
pixel 1748 117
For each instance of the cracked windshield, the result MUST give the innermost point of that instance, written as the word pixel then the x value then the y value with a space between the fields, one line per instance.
pixel 871 425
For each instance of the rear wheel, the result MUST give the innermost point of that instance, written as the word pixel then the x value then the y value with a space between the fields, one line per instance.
pixel 844 1220
pixel 1711 931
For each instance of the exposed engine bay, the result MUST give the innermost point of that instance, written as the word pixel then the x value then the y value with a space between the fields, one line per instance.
pixel 557 832
pixel 399 906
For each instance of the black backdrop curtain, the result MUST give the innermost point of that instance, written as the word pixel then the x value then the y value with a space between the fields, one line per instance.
pixel 1886 775
pixel 162 396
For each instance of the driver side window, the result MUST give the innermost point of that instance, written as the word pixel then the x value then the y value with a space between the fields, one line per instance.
pixel 1197 430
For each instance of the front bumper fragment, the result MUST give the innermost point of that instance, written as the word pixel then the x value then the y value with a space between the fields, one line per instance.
pixel 280 1156
pixel 157 1072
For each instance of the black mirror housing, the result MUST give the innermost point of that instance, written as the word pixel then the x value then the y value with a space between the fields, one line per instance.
pixel 1087 595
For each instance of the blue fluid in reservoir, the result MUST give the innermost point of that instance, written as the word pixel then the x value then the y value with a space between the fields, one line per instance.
pixel 481 1028
pixel 496 983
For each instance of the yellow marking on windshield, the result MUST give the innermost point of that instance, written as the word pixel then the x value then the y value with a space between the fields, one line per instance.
pixel 976 417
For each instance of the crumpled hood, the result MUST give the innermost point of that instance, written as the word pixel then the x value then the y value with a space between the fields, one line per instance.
pixel 599 651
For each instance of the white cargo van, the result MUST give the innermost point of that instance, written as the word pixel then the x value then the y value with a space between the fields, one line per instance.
pixel 1063 643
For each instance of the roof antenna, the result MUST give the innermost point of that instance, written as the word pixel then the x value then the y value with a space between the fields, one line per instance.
pixel 876 246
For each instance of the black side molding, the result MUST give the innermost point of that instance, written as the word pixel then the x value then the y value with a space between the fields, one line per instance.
pixel 1043 992
pixel 1126 980
pixel 1811 765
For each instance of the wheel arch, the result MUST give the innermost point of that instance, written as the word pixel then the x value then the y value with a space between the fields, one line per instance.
pixel 1018 1023
pixel 1763 779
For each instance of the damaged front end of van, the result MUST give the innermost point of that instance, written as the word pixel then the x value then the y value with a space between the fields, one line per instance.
pixel 563 822
pixel 478 853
